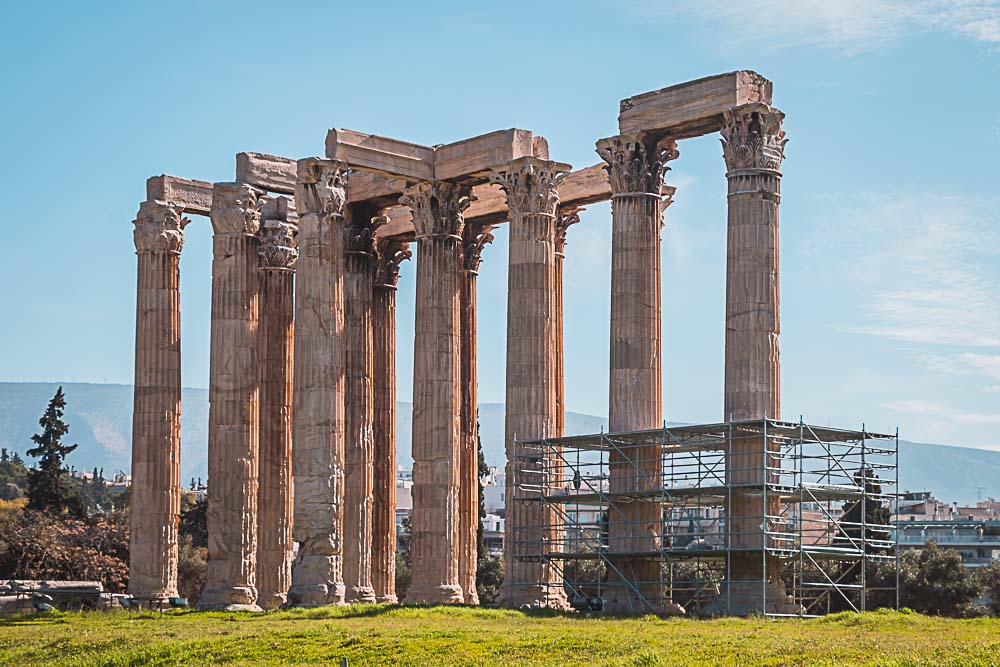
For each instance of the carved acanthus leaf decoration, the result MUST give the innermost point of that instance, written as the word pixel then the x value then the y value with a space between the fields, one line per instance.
pixel 389 254
pixel 277 248
pixel 474 240
pixel 530 185
pixel 752 138
pixel 567 215
pixel 235 209
pixel 359 235
pixel 159 227
pixel 321 188
pixel 438 208
pixel 636 164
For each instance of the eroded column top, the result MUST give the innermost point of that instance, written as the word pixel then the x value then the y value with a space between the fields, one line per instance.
pixel 389 254
pixel 438 208
pixel 636 163
pixel 752 138
pixel 320 187
pixel 159 227
pixel 278 249
pixel 235 209
pixel 530 185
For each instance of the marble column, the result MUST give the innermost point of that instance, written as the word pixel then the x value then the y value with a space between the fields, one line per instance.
pixel 359 275
pixel 530 186
pixel 438 219
pixel 389 253
pixel 753 147
pixel 233 394
pixel 274 495
pixel 474 239
pixel 156 415
pixel 566 216
pixel 636 165
pixel 318 415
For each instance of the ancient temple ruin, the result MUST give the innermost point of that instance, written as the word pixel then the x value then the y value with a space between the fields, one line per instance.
pixel 303 346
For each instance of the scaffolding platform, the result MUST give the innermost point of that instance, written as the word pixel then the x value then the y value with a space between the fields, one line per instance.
pixel 713 518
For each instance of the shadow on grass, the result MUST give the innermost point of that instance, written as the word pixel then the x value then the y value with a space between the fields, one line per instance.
pixel 377 610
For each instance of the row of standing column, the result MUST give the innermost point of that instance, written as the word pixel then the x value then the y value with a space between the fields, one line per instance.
pixel 343 463
pixel 251 460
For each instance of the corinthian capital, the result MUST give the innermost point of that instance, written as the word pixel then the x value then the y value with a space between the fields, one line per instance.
pixel 530 185
pixel 636 163
pixel 277 235
pixel 567 215
pixel 438 208
pixel 235 209
pixel 321 187
pixel 752 137
pixel 359 235
pixel 474 239
pixel 159 227
pixel 389 254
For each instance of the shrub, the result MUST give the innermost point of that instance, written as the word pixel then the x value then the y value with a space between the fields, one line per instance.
pixel 37 545
pixel 933 580
pixel 989 578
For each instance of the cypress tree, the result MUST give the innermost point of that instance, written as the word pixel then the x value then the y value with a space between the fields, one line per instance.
pixel 47 487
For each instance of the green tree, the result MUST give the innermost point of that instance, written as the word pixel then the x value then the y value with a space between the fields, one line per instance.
pixel 194 519
pixel 403 559
pixel 989 579
pixel 932 580
pixel 48 490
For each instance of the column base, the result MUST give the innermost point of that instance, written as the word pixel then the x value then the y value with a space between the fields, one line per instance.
pixel 272 601
pixel 621 599
pixel 386 599
pixel 228 599
pixel 444 594
pixel 361 595
pixel 230 607
pixel 315 596
pixel 745 598
pixel 472 597
pixel 313 585
pixel 536 597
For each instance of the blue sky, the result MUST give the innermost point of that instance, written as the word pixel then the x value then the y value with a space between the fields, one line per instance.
pixel 890 237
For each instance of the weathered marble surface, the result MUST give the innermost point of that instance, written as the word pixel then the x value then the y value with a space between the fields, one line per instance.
pixel 156 416
pixel 318 422
pixel 233 436
pixel 278 253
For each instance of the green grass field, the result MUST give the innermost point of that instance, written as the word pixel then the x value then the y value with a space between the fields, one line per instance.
pixel 375 635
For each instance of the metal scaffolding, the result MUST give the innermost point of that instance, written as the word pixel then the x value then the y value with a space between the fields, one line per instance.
pixel 799 504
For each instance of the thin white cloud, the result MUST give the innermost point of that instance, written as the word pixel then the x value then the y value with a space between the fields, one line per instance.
pixel 846 25
pixel 926 267
pixel 940 411
pixel 966 363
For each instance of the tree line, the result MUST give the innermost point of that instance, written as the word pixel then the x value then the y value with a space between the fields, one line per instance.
pixel 57 526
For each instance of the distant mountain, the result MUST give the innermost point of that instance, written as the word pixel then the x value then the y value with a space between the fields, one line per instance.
pixel 100 419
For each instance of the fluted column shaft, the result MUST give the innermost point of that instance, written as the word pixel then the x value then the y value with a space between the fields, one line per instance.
pixel 438 221
pixel 530 186
pixel 753 147
pixel 318 417
pixel 568 215
pixel 636 165
pixel 156 416
pixel 274 496
pixel 475 237
pixel 233 435
pixel 389 253
pixel 359 407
